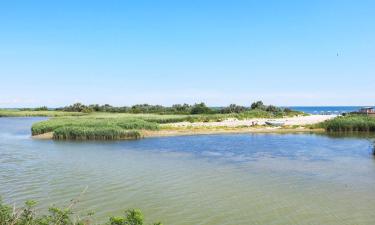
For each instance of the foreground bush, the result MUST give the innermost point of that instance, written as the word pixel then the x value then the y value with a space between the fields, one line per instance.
pixel 350 123
pixel 27 216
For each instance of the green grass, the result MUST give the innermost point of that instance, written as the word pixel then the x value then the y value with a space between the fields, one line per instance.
pixel 21 113
pixel 349 123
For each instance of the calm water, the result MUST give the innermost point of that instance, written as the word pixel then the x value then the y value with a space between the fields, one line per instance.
pixel 218 179
pixel 326 109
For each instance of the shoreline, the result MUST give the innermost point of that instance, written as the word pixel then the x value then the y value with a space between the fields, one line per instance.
pixel 205 131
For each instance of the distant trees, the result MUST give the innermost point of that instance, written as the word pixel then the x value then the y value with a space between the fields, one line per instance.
pixel 181 109
pixel 201 108
pixel 258 105
pixel 78 107
pixel 233 108
pixel 42 108
pixel 185 109
pixel 269 108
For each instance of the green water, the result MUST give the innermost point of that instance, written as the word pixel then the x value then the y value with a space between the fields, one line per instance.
pixel 211 179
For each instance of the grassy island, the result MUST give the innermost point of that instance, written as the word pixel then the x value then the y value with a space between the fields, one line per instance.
pixel 105 122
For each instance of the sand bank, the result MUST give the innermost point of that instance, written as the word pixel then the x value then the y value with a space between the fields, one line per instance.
pixel 290 121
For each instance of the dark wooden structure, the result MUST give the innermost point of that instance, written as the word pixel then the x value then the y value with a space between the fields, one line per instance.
pixel 369 111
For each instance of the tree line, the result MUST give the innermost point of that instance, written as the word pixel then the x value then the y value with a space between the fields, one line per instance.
pixel 185 109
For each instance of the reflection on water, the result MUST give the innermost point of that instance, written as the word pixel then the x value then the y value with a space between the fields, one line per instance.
pixel 208 179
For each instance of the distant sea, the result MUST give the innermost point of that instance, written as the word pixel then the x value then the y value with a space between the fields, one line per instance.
pixel 325 109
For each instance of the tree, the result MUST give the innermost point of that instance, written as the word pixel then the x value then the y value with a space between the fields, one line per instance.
pixel 233 108
pixel 258 105
pixel 272 108
pixel 200 108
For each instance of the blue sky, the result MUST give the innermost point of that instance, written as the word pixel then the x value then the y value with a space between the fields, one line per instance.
pixel 163 52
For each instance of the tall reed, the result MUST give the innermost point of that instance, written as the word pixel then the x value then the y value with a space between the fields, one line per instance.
pixel 350 123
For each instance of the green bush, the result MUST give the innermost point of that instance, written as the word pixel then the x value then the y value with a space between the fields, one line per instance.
pixel 56 216
pixel 258 105
pixel 233 108
pixel 201 108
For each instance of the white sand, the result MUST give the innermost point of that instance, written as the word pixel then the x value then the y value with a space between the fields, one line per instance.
pixel 232 122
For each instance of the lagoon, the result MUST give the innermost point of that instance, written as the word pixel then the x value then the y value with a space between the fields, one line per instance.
pixel 208 179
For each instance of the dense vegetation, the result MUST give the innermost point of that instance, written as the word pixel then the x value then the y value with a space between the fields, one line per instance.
pixel 56 216
pixel 350 123
pixel 93 128
pixel 93 122
pixel 94 133
pixel 77 109
pixel 185 109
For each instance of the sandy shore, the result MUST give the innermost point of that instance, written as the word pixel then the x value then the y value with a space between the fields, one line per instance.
pixel 233 126
pixel 234 130
pixel 290 121
pixel 44 136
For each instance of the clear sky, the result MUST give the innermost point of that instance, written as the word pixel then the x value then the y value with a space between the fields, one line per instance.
pixel 163 52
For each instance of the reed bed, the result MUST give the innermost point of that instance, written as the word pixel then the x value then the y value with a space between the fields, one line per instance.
pixel 94 133
pixel 84 122
pixel 350 123
pixel 91 128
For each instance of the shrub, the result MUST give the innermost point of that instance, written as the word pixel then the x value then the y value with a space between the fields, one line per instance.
pixel 42 108
pixel 258 105
pixel 272 108
pixel 56 216
pixel 233 108
pixel 200 108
